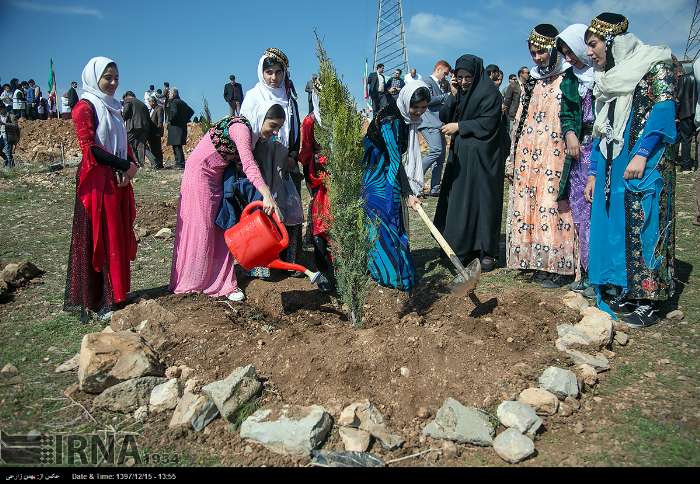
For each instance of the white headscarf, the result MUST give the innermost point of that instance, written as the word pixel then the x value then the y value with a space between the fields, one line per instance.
pixel 110 132
pixel 414 164
pixel 633 60
pixel 262 93
pixel 257 119
pixel 316 101
pixel 574 36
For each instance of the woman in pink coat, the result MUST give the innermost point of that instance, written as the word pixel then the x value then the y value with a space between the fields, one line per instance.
pixel 202 262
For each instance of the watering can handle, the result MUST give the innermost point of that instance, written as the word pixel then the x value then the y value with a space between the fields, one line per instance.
pixel 280 226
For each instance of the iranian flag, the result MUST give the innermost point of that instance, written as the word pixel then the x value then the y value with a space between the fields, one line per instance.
pixel 52 78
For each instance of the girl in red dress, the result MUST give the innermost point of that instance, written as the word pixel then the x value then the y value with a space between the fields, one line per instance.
pixel 314 164
pixel 103 242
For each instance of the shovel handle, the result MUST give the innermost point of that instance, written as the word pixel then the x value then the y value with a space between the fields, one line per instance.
pixel 441 240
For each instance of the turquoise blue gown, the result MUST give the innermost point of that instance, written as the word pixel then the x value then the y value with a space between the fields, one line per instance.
pixel 633 236
pixel 384 184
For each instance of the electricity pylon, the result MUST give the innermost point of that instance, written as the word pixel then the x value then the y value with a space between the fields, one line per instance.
pixel 390 39
pixel 692 49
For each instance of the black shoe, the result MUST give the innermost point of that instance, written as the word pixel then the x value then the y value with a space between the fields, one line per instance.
pixel 621 306
pixel 643 317
pixel 556 281
pixel 488 264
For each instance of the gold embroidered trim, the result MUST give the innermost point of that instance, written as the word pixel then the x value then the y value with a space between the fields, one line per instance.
pixel 542 41
pixel 601 28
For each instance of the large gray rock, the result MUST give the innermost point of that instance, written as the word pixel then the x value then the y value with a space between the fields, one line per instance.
pixel 599 362
pixel 458 423
pixel 542 401
pixel 519 416
pixel 107 359
pixel 16 275
pixel 513 447
pixel 194 411
pixel 165 397
pixel 126 397
pixel 290 430
pixel 562 383
pixel 230 394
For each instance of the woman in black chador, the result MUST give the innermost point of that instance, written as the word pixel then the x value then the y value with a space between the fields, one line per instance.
pixel 471 201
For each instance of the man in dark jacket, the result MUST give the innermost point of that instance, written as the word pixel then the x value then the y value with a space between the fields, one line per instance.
pixel 511 100
pixel 376 85
pixel 233 95
pixel 310 90
pixel 138 125
pixel 156 133
pixel 687 99
pixel 73 95
pixel 179 114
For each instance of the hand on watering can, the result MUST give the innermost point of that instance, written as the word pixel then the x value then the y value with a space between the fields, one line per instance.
pixel 269 203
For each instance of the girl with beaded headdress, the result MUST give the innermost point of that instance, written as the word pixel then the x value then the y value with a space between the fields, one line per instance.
pixel 577 115
pixel 540 234
pixel 632 182
pixel 278 157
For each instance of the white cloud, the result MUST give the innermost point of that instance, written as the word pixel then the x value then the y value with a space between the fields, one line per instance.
pixel 59 9
pixel 429 33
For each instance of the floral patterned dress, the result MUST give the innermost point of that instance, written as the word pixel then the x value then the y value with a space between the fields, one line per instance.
pixel 540 230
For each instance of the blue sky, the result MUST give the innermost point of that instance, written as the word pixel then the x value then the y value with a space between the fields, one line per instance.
pixel 196 45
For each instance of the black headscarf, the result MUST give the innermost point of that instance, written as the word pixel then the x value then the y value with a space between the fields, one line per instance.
pixel 482 88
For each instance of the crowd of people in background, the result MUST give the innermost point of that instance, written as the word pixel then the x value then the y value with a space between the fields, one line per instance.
pixel 588 139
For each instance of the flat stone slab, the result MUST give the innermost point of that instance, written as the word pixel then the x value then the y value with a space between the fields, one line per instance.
pixel 466 425
pixel 71 364
pixel 599 362
pixel 560 382
pixel 519 416
pixel 513 447
pixel 290 430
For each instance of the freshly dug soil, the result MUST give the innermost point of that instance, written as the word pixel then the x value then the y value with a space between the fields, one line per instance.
pixel 303 347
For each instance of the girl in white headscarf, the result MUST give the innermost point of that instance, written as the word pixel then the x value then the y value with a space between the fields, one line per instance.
pixel 103 241
pixel 278 157
pixel 386 183
pixel 577 115
pixel 632 183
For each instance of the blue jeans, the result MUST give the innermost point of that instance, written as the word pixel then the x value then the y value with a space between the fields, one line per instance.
pixel 7 152
pixel 435 157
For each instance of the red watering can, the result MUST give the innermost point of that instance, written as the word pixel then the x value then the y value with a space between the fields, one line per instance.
pixel 257 240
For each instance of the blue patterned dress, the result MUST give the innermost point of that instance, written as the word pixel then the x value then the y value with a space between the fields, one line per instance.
pixel 384 183
pixel 633 235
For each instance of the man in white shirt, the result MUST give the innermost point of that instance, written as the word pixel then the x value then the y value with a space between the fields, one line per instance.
pixel 376 84
pixel 149 94
pixel 412 76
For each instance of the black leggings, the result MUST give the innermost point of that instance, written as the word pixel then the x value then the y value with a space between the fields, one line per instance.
pixel 322 257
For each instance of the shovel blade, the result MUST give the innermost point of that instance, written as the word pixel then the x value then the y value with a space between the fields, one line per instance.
pixel 466 282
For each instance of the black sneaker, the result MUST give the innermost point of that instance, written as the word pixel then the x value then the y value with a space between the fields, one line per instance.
pixel 555 281
pixel 643 317
pixel 621 306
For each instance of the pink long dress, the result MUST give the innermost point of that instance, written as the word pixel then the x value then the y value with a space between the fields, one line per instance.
pixel 202 262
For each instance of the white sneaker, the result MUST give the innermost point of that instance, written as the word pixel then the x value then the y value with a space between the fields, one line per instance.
pixel 236 296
